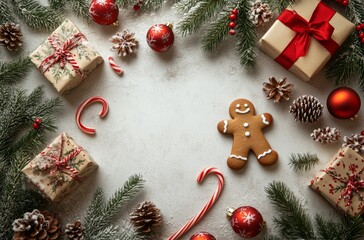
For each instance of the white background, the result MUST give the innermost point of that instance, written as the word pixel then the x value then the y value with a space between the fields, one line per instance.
pixel 162 124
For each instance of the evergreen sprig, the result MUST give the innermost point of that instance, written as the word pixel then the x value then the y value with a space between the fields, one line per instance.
pixel 13 71
pixel 279 5
pixel 100 214
pixel 57 4
pixel 37 16
pixel 185 5
pixel 293 222
pixel 304 161
pixel 80 8
pixel 5 13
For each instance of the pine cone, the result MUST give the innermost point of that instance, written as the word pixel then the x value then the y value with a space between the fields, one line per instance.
pixel 306 109
pixel 260 13
pixel 326 135
pixel 74 231
pixel 36 225
pixel 277 90
pixel 145 215
pixel 355 142
pixel 125 43
pixel 11 36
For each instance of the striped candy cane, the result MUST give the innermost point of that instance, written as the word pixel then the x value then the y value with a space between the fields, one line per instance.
pixel 207 206
pixel 105 108
pixel 115 67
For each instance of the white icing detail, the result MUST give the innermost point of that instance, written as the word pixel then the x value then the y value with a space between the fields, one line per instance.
pixel 242 112
pixel 247 134
pixel 238 157
pixel 246 125
pixel 246 105
pixel 238 105
pixel 264 119
pixel 225 125
pixel 264 154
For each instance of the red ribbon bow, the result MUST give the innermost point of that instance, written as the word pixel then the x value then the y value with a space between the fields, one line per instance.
pixel 318 27
pixel 62 52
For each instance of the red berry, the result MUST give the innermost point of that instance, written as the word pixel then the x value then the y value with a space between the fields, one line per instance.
pixel 38 121
pixel 136 7
pixel 345 3
pixel 235 11
pixel 362 40
pixel 362 133
pixel 361 35
pixel 232 32
pixel 232 25
pixel 36 126
pixel 232 17
pixel 358 27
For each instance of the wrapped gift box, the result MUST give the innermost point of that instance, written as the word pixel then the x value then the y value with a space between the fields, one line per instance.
pixel 341 182
pixel 59 168
pixel 66 57
pixel 306 21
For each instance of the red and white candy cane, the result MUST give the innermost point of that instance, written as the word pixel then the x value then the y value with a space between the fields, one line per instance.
pixel 207 206
pixel 105 108
pixel 115 67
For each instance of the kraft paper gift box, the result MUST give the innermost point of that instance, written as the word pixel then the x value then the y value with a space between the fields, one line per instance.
pixel 66 57
pixel 59 168
pixel 341 182
pixel 321 30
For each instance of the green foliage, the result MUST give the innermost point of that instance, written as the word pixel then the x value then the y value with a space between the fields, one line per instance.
pixel 5 13
pixel 57 4
pixel 99 215
pixel 80 8
pixel 13 71
pixel 279 5
pixel 186 5
pixel 304 161
pixel 292 221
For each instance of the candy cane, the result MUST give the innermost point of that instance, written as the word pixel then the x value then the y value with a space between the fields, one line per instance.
pixel 105 108
pixel 115 67
pixel 207 206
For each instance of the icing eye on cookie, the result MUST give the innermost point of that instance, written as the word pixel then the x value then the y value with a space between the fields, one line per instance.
pixel 237 110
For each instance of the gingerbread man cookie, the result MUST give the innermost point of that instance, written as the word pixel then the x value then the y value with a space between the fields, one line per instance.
pixel 246 128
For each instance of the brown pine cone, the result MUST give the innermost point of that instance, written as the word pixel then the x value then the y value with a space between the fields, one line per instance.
pixel 125 43
pixel 277 90
pixel 326 135
pixel 260 13
pixel 306 109
pixel 355 142
pixel 11 36
pixel 146 215
pixel 36 225
pixel 74 231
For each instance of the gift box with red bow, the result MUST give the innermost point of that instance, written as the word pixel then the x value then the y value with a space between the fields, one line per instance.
pixel 59 168
pixel 341 182
pixel 66 57
pixel 305 36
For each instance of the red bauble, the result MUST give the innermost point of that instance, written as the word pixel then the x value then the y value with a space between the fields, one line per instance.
pixel 104 12
pixel 202 236
pixel 160 37
pixel 246 221
pixel 343 103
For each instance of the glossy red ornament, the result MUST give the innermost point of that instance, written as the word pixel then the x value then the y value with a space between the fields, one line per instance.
pixel 104 12
pixel 160 37
pixel 362 133
pixel 343 103
pixel 246 221
pixel 202 236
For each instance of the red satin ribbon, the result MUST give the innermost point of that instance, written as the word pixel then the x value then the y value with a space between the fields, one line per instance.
pixel 318 27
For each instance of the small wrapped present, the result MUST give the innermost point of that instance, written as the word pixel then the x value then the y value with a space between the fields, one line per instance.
pixel 65 57
pixel 341 182
pixel 304 37
pixel 59 168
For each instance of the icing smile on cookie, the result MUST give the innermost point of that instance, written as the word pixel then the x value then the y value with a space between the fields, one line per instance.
pixel 237 110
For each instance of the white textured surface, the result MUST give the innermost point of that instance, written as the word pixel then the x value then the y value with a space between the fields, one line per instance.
pixel 162 124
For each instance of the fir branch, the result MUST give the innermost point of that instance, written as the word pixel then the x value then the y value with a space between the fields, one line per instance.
pixel 203 11
pixel 279 5
pixel 124 3
pixel 350 228
pixel 304 161
pixel 151 4
pixel 127 232
pixel 80 8
pixel 5 13
pixel 14 70
pixel 185 5
pixel 57 4
pixel 37 16
pixel 292 221
pixel 246 36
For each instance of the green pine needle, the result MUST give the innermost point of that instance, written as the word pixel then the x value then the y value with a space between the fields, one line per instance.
pixel 5 13
pixel 152 4
pixel 303 162
pixel 57 4
pixel 279 5
pixel 186 5
pixel 80 8
pixel 15 70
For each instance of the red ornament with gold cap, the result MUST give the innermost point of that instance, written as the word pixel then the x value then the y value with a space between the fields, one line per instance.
pixel 202 236
pixel 343 103
pixel 104 12
pixel 246 221
pixel 160 37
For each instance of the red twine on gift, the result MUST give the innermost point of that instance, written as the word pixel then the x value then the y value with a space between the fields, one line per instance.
pixel 318 27
pixel 352 183
pixel 61 164
pixel 62 52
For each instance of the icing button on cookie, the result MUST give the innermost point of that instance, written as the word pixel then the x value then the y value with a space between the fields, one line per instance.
pixel 246 125
pixel 247 134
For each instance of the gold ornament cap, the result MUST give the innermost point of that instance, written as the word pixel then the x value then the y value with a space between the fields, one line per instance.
pixel 229 212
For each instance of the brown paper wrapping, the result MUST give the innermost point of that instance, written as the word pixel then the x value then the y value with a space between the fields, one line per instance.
pixel 276 39
pixel 342 163
pixel 46 182
pixel 64 79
